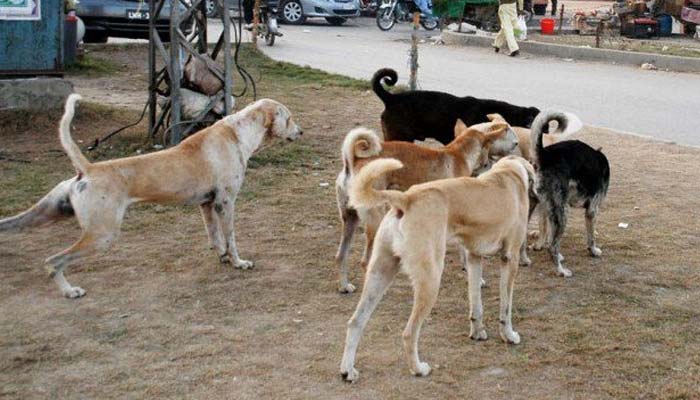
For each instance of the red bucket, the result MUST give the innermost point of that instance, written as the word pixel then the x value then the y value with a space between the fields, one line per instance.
pixel 547 26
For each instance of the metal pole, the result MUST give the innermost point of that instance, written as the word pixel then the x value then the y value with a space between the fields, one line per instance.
pixel 561 18
pixel 414 52
pixel 175 51
pixel 226 17
pixel 151 69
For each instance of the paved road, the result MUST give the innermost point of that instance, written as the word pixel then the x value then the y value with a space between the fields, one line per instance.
pixel 659 104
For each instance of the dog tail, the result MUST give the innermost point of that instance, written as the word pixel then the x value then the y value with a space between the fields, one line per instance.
pixel 359 143
pixel 54 206
pixel 79 161
pixel 568 124
pixel 362 192
pixel 390 77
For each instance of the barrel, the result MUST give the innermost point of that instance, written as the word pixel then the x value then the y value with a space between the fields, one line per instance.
pixel 665 22
pixel 547 26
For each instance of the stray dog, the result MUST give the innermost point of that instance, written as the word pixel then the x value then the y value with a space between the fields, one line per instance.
pixel 419 114
pixel 464 156
pixel 206 169
pixel 570 173
pixel 487 215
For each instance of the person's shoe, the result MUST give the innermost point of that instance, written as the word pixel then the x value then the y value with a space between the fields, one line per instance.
pixel 515 53
pixel 496 49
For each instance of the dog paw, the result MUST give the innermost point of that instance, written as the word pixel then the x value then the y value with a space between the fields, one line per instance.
pixel 479 335
pixel 595 251
pixel 244 264
pixel 565 272
pixel 533 234
pixel 350 376
pixel 511 337
pixel 537 247
pixel 525 262
pixel 483 283
pixel 347 288
pixel 423 369
pixel 74 292
pixel 225 259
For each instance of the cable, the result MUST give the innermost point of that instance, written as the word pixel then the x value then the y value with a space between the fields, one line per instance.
pixel 109 135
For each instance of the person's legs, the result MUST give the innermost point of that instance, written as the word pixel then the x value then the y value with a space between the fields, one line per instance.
pixel 500 39
pixel 508 15
pixel 248 11
pixel 554 7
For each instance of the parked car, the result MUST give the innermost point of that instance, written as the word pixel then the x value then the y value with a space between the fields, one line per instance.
pixel 336 12
pixel 123 18
pixel 295 12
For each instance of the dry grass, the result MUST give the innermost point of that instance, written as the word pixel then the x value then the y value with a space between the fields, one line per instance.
pixel 163 319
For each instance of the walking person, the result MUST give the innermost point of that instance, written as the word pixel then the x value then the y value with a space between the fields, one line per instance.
pixel 508 15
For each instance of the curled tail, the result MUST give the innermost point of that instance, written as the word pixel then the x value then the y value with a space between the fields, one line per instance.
pixel 359 143
pixel 362 191
pixel 390 77
pixel 79 161
pixel 54 206
pixel 568 124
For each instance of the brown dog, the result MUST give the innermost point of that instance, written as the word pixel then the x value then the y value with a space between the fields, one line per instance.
pixel 468 153
pixel 206 169
pixel 487 215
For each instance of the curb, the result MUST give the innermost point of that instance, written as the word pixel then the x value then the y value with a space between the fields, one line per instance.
pixel 662 62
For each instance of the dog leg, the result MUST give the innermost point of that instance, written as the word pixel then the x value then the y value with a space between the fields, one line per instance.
pixel 426 285
pixel 509 270
pixel 463 257
pixel 225 208
pixel 524 259
pixel 211 222
pixel 372 219
pixel 557 218
pixel 591 213
pixel 543 236
pixel 350 220
pixel 477 331
pixel 56 264
pixel 383 267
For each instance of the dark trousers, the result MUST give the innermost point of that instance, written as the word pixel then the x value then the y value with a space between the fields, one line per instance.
pixel 248 11
pixel 554 7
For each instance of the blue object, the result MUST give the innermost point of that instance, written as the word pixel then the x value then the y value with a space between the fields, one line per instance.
pixel 665 22
pixel 33 47
pixel 425 6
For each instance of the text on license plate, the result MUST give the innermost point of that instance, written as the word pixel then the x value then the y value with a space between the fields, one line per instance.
pixel 136 14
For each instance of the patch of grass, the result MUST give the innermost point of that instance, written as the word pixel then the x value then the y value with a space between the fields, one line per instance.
pixel 270 69
pixel 92 66
pixel 288 156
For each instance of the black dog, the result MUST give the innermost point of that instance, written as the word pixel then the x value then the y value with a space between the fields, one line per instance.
pixel 419 114
pixel 568 173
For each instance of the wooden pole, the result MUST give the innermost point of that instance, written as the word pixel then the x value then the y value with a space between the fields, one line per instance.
pixel 598 31
pixel 413 59
pixel 228 62
pixel 561 18
pixel 256 21
pixel 176 73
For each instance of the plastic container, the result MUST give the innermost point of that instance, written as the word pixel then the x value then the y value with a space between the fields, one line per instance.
pixel 547 26
pixel 665 22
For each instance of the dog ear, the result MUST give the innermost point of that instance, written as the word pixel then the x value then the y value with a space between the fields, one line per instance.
pixel 495 117
pixel 496 131
pixel 460 127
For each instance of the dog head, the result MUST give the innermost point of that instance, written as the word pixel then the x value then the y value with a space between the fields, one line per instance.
pixel 505 140
pixel 488 135
pixel 278 120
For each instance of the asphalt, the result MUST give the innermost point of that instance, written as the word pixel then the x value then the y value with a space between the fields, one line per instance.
pixel 662 105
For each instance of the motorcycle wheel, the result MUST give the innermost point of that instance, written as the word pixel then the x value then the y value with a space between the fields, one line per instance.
pixel 429 24
pixel 385 19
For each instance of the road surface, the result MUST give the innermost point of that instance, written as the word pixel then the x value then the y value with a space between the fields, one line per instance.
pixel 663 105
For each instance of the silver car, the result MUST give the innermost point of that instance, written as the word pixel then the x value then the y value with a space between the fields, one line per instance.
pixel 336 12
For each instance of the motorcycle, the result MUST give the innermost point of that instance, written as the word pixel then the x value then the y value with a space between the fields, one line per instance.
pixel 392 11
pixel 368 6
pixel 267 28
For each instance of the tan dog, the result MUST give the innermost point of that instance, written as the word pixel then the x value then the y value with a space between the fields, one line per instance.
pixel 465 155
pixel 206 169
pixel 487 215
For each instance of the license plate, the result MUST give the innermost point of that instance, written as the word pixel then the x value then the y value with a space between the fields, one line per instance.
pixel 349 6
pixel 137 14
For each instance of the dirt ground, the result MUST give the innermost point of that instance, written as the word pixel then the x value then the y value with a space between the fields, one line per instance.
pixel 162 318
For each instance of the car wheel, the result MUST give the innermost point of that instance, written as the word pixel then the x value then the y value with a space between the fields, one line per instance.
pixel 292 13
pixel 336 21
pixel 210 6
pixel 95 37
